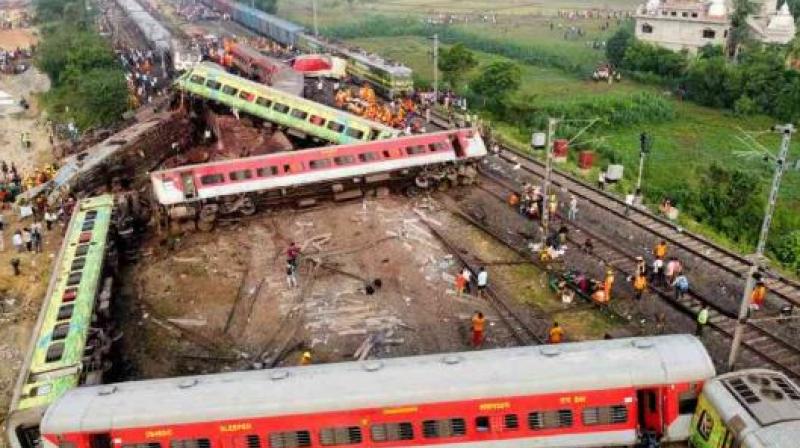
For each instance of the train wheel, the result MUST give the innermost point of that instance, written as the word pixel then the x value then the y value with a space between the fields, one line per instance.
pixel 248 207
pixel 421 182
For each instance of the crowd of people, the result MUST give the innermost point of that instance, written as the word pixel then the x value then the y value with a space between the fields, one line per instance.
pixel 144 74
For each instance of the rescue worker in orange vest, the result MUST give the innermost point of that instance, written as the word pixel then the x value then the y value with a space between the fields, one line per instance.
pixel 461 283
pixel 513 199
pixel 599 294
pixel 556 334
pixel 478 324
pixel 608 283
pixel 758 296
pixel 660 250
pixel 305 358
pixel 639 285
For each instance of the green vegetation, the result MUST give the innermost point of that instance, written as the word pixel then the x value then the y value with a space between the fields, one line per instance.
pixel 455 64
pixel 270 6
pixel 88 83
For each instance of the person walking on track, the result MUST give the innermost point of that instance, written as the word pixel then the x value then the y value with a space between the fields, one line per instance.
pixel 556 334
pixel 478 324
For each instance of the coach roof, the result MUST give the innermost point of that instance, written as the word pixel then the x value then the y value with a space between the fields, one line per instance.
pixel 391 382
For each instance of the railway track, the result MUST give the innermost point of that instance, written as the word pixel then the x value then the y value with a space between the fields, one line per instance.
pixel 524 332
pixel 757 340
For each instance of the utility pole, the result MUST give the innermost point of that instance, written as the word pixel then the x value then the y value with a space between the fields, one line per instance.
pixel 436 67
pixel 780 169
pixel 646 143
pixel 314 9
pixel 548 170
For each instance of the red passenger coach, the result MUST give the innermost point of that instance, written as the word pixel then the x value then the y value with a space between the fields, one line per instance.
pixel 442 155
pixel 589 394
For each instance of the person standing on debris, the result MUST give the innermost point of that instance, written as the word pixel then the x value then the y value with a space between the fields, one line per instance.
pixel 15 266
pixel 681 285
pixel 305 358
pixel 657 272
pixel 36 237
pixel 460 283
pixel 478 324
pixel 608 283
pixel 660 250
pixel 639 285
pixel 26 238
pixel 16 241
pixel 291 275
pixel 556 334
pixel 483 281
pixel 601 180
pixel 702 321
pixel 467 274
pixel 292 254
pixel 572 211
pixel 758 296
pixel 50 218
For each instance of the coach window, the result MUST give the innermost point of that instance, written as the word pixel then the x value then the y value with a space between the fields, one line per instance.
pixel 390 432
pixel 436 147
pixel 54 352
pixel 142 445
pixel 290 439
pixel 687 402
pixel 316 120
pixel 355 133
pixel 211 179
pixel 267 171
pixel 367 156
pixel 605 415
pixel 251 441
pixel 197 79
pixel 550 419
pixel 215 85
pixel 344 160
pixel 320 164
pixel 65 312
pixel 247 96
pixel 299 114
pixel 345 435
pixel 281 108
pixel 412 150
pixel 450 427
pixel 335 127
pixel 482 424
pixel 241 175
pixel 190 443
pixel 263 102
pixel 61 331
pixel 511 421
pixel 228 90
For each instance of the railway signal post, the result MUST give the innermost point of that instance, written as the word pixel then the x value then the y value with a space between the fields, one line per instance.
pixel 780 168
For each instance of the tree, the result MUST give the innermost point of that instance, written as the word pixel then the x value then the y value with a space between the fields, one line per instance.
pixel 455 63
pixel 708 82
pixel 645 57
pixel 270 6
pixel 740 32
pixel 496 83
pixel 618 44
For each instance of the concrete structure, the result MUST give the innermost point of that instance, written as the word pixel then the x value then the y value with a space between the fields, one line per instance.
pixel 692 24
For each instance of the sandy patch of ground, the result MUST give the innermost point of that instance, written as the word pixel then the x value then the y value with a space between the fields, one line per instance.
pixel 17 38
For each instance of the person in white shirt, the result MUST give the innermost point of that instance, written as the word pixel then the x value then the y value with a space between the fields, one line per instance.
pixel 483 281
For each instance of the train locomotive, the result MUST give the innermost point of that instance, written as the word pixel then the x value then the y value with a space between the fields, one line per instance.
pixel 435 160
pixel 587 394
pixel 754 408
pixel 388 78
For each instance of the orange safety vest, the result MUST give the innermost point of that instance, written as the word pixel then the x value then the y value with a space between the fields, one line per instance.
pixel 758 295
pixel 660 250
pixel 478 323
pixel 639 283
pixel 556 335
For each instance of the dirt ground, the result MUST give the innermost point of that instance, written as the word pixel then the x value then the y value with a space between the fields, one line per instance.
pixel 17 38
pixel 14 120
pixel 220 300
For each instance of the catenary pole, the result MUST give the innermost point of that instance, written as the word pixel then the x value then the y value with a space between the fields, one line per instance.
pixel 780 169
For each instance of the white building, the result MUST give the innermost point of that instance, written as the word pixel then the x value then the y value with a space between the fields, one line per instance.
pixel 692 24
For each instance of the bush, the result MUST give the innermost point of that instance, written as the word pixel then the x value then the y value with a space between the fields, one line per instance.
pixel 745 106
pixel 787 249
pixel 644 57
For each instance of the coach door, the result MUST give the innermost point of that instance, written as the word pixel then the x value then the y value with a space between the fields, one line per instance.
pixel 189 188
pixel 650 412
